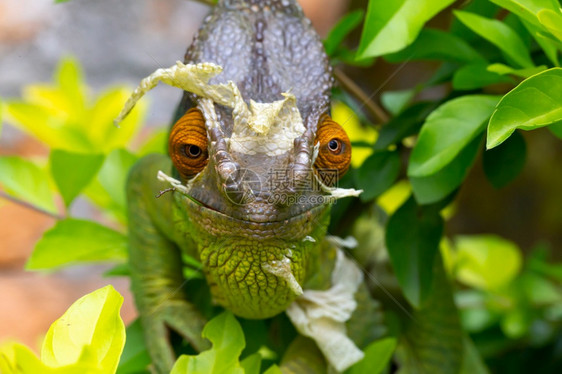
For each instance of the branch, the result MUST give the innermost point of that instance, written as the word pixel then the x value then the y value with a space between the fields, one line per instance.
pixel 30 206
pixel 349 85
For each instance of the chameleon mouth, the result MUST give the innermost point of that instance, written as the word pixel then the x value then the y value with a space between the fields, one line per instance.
pixel 253 218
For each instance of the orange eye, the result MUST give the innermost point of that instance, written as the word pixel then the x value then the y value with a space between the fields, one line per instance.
pixel 188 144
pixel 334 154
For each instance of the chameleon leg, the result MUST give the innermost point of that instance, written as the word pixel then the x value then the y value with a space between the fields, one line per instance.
pixel 156 265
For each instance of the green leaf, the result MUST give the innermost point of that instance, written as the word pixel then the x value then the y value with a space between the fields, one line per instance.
pixel 73 171
pixel 273 369
pixel 121 270
pixel 472 362
pixel 474 76
pixel 504 163
pixel 113 175
pixel 432 338
pixel 396 101
pixel 433 44
pixel 394 24
pixel 90 331
pixel 523 73
pixel 377 174
pixel 552 21
pixel 535 102
pixel 499 34
pixel 550 49
pixel 24 180
pixel 556 129
pixel 377 357
pixel 73 240
pixel 135 358
pixel 227 337
pixel 515 324
pixel 252 364
pixel 482 7
pixel 447 131
pixel 344 26
pixel 436 187
pixel 412 238
pixel 403 125
pixel 486 262
pixel 527 9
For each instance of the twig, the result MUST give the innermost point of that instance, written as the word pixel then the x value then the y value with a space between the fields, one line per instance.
pixel 164 191
pixel 348 84
pixel 29 206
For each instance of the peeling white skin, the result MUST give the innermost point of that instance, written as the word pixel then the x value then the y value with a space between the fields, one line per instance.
pixel 282 269
pixel 321 315
pixel 268 128
pixel 339 193
pixel 176 184
pixel 348 242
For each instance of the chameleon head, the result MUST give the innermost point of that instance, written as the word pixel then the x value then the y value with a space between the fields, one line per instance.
pixel 256 197
pixel 256 184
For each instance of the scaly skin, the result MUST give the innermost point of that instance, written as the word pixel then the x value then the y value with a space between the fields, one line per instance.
pixel 256 255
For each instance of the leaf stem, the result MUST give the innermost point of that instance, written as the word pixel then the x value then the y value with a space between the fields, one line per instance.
pixel 348 84
pixel 30 206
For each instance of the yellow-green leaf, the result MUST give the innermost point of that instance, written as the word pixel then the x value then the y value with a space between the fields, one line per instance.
pixel 73 171
pixel 103 134
pixel 527 9
pixel 227 337
pixel 19 359
pixel 377 357
pixel 523 73
pixel 73 240
pixel 486 261
pixel 70 79
pixel 552 21
pixel 46 125
pixel 25 180
pixel 90 332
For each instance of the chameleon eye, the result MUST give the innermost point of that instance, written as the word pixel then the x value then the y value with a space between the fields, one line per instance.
pixel 334 153
pixel 188 144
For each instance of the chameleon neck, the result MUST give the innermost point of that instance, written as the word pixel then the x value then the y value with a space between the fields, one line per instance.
pixel 254 269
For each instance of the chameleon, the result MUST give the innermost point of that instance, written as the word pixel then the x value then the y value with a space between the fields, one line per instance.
pixel 248 186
